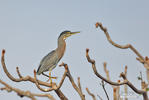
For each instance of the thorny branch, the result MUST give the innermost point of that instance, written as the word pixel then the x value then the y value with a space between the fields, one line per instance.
pixel 29 78
pixel 144 93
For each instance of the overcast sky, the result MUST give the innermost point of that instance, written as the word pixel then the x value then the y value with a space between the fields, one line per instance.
pixel 29 30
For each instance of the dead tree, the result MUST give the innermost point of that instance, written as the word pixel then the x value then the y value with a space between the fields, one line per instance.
pixel 57 87
pixel 34 80
pixel 140 58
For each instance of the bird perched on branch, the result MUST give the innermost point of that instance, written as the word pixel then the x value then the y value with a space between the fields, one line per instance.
pixel 50 61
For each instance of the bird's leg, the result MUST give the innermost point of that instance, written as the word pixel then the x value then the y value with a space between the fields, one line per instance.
pixel 50 77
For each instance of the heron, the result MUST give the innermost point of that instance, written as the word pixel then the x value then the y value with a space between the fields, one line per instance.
pixel 50 61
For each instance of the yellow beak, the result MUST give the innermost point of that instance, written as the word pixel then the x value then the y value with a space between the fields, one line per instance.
pixel 72 33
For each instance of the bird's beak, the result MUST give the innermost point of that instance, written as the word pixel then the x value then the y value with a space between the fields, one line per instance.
pixel 72 33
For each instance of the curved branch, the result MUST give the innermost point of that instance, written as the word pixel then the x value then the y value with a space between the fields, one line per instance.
pixel 54 87
pixel 117 45
pixel 97 74
pixel 18 91
pixel 28 78
pixel 22 93
pixel 113 83
pixel 91 94
pixel 19 74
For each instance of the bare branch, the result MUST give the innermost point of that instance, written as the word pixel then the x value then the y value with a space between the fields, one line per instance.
pixel 106 70
pixel 79 85
pixel 146 65
pixel 91 94
pixel 125 86
pixel 103 86
pixel 73 83
pixel 108 77
pixel 114 94
pixel 19 74
pixel 144 93
pixel 97 74
pixel 117 45
pixel 22 93
pixel 99 97
pixel 54 87
pixel 28 78
pixel 44 95
pixel 18 91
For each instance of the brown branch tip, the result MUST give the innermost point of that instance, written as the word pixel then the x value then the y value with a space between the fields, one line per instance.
pixel 98 24
pixel 34 72
pixel 3 52
pixel 65 65
pixel 62 64
pixel 87 50
pixel 123 76
pixel 88 58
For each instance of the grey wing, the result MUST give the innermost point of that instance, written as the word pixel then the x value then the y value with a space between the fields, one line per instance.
pixel 49 61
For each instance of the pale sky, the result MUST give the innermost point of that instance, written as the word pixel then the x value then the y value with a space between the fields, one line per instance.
pixel 29 30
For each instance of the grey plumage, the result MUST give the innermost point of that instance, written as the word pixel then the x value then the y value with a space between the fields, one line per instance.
pixel 47 62
pixel 50 61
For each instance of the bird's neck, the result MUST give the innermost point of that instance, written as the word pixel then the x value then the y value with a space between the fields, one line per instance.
pixel 61 47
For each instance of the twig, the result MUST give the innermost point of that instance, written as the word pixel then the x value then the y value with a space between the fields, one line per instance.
pixel 44 95
pixel 99 97
pixel 19 74
pixel 144 93
pixel 103 86
pixel 146 65
pixel 91 94
pixel 79 85
pixel 114 94
pixel 108 77
pixel 125 86
pixel 106 70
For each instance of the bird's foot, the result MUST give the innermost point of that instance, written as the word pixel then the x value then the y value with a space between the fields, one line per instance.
pixel 50 79
pixel 53 77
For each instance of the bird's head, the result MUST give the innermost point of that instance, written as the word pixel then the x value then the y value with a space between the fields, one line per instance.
pixel 66 34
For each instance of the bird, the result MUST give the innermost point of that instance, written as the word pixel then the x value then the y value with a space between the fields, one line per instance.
pixel 50 61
